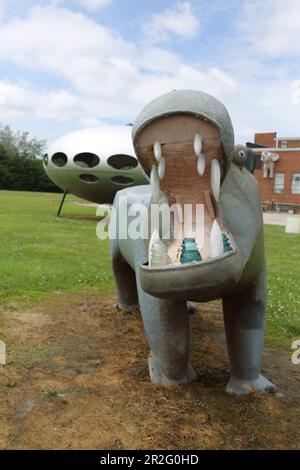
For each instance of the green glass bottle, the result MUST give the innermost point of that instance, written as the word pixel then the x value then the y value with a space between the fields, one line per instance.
pixel 226 243
pixel 189 251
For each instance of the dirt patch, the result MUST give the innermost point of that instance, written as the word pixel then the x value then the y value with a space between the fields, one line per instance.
pixel 77 378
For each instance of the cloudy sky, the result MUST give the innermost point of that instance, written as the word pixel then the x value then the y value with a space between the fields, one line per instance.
pixel 67 64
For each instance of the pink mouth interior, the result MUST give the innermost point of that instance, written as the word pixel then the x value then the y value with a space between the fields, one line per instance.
pixel 182 183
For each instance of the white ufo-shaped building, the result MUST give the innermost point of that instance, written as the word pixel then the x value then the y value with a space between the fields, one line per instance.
pixel 94 163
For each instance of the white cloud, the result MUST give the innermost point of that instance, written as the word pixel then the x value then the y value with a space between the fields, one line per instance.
pixel 272 27
pixel 17 101
pixel 108 77
pixel 264 105
pixel 93 58
pixel 179 21
pixel 94 5
pixel 213 81
pixel 111 77
pixel 90 122
pixel 295 89
pixel 2 5
pixel 158 59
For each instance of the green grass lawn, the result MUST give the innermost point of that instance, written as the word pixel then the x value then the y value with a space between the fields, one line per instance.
pixel 283 262
pixel 41 255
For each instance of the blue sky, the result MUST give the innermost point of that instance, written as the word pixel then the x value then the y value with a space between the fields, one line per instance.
pixel 68 64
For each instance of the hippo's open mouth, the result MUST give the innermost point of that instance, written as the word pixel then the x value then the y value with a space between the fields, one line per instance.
pixel 190 174
pixel 185 157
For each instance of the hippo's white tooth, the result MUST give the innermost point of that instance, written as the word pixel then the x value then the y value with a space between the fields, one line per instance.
pixel 201 164
pixel 154 182
pixel 157 151
pixel 162 169
pixel 153 239
pixel 216 240
pixel 197 145
pixel 215 178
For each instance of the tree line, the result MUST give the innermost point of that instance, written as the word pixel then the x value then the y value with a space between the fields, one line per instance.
pixel 21 166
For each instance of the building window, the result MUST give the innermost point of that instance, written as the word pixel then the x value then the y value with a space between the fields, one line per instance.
pixel 284 144
pixel 296 183
pixel 279 183
pixel 59 159
pixel 86 160
pixel 122 162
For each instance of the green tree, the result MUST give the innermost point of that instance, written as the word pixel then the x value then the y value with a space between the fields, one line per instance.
pixel 20 143
pixel 21 166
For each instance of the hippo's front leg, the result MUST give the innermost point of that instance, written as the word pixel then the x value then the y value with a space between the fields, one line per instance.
pixel 244 315
pixel 166 324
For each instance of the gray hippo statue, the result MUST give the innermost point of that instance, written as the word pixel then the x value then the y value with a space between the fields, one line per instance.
pixel 184 141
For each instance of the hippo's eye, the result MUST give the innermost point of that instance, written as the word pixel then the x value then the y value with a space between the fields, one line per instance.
pixel 240 155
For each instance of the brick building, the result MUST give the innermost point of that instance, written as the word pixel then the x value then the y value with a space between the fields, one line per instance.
pixel 278 170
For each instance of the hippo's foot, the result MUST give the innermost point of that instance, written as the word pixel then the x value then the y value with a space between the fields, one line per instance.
pixel 237 386
pixel 127 308
pixel 159 378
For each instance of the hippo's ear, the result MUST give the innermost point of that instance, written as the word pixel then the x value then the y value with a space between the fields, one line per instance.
pixel 244 157
pixel 251 160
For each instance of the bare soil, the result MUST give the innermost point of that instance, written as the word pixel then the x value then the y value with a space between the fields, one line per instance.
pixel 77 378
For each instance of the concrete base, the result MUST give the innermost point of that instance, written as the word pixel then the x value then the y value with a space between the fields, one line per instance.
pixel 292 224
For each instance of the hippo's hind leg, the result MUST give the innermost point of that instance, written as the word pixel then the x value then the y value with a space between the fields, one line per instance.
pixel 244 314
pixel 125 280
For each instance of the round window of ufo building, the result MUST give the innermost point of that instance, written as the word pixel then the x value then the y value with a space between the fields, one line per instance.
pixel 88 178
pixel 86 160
pixel 122 180
pixel 122 162
pixel 59 159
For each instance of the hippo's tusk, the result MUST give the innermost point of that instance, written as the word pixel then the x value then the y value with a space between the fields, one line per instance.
pixel 157 151
pixel 215 178
pixel 216 240
pixel 201 164
pixel 198 145
pixel 154 183
pixel 162 168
